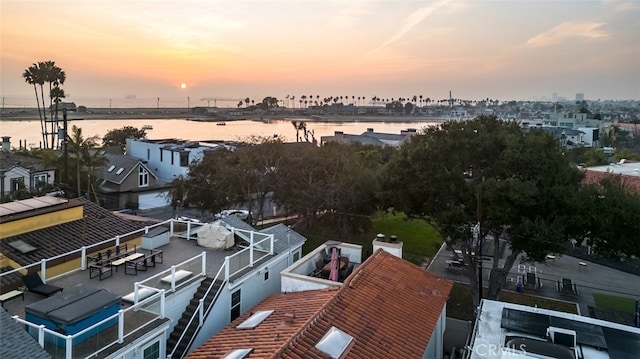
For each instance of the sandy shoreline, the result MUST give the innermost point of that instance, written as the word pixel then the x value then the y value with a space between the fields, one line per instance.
pixel 20 114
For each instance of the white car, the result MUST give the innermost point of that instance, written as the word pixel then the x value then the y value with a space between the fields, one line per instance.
pixel 240 213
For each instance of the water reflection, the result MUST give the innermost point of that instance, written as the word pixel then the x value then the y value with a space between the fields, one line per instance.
pixel 30 131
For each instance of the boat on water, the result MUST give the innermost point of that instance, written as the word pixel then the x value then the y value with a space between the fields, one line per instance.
pixel 221 123
pixel 147 127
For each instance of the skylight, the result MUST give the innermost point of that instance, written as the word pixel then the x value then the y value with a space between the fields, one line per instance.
pixel 255 320
pixel 119 171
pixel 238 353
pixel 111 168
pixel 335 342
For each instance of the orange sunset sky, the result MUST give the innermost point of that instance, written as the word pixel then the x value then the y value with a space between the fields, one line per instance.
pixel 509 50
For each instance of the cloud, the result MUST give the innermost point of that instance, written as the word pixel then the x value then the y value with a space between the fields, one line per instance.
pixel 411 21
pixel 568 30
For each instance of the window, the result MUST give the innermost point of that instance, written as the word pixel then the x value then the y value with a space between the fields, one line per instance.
pixel 266 276
pixel 171 157
pixel 111 168
pixel 335 343
pixel 119 171
pixel 17 184
pixel 152 351
pixel 148 154
pixel 184 159
pixel 143 177
pixel 235 304
pixel 296 256
pixel 41 178
pixel 161 155
pixel 255 320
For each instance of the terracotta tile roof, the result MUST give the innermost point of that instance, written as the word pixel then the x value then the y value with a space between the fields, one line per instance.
pixel 273 332
pixel 388 305
pixel 100 225
pixel 631 182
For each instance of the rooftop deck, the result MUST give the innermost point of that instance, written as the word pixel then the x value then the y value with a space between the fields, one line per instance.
pixel 179 254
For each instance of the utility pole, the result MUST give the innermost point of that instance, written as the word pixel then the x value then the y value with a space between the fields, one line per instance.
pixel 65 147
pixel 479 240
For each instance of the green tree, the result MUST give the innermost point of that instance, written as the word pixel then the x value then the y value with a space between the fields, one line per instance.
pixel 118 137
pixel 86 159
pixel 510 186
pixel 611 210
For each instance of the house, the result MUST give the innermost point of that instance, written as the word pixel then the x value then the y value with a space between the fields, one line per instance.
pixel 173 297
pixel 49 227
pixel 568 137
pixel 170 158
pixel 127 182
pixel 387 308
pixel 628 172
pixel 370 137
pixel 15 342
pixel 505 330
pixel 19 172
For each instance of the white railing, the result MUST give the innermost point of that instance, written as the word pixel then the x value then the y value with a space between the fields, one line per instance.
pixel 83 252
pixel 238 258
pixel 197 265
pixel 201 314
pixel 46 335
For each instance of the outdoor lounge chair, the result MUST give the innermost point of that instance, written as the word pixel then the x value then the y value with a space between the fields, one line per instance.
pixel 34 284
pixel 101 270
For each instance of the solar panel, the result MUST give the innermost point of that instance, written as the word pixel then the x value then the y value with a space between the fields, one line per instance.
pixel 622 344
pixel 525 322
pixel 30 204
pixel 589 334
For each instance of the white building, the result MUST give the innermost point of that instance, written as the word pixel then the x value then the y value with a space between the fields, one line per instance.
pixel 170 158
pixel 505 330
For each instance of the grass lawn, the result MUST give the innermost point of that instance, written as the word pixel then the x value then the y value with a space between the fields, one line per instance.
pixel 622 304
pixel 419 239
pixel 460 305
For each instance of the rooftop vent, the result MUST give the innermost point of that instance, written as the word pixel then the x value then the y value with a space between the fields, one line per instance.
pixel 255 320
pixel 335 343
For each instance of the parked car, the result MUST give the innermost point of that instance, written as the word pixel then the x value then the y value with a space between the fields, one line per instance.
pixel 240 213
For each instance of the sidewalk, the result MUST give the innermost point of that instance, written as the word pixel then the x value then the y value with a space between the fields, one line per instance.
pixel 589 278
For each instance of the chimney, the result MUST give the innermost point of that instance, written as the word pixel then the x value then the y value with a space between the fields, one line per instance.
pixel 289 317
pixel 370 129
pixel 393 247
pixel 6 143
pixel 338 134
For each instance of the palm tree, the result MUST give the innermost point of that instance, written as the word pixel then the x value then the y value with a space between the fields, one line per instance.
pixel 56 94
pixel 33 76
pixel 86 157
pixel 247 101
pixel 55 77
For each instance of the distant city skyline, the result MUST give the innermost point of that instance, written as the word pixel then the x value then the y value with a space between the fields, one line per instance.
pixel 506 50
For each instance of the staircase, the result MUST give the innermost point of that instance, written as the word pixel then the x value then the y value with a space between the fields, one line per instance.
pixel 183 322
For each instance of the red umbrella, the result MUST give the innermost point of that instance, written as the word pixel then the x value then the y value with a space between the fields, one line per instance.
pixel 333 275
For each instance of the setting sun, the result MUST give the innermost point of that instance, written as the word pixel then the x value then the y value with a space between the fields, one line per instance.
pixel 183 85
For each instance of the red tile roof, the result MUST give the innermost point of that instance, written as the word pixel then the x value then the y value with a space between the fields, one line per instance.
pixel 631 182
pixel 389 306
pixel 273 332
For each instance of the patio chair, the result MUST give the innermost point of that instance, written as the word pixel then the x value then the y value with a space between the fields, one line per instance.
pixel 101 269
pixel 34 284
